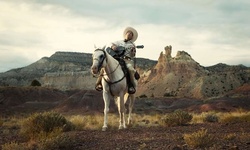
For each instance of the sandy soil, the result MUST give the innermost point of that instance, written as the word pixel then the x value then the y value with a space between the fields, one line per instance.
pixel 163 137
pixel 226 136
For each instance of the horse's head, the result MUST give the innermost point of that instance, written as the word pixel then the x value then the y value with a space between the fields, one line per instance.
pixel 99 57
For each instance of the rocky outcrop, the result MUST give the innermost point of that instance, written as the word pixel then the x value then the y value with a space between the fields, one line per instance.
pixel 69 80
pixel 181 76
pixel 63 70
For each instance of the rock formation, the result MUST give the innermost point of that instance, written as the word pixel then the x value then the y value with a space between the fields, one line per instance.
pixel 181 76
pixel 63 70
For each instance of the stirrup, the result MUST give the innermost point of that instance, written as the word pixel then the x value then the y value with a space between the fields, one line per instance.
pixel 131 90
pixel 98 87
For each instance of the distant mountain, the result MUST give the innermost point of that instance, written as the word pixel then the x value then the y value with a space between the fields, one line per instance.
pixel 178 76
pixel 62 70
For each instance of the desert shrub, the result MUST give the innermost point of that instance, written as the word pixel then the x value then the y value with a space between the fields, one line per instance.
pixel 176 118
pixel 59 142
pixel 211 118
pixel 43 124
pixel 199 139
pixel 143 96
pixel 168 94
pixel 13 146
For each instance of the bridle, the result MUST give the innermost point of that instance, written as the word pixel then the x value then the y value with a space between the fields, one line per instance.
pixel 102 59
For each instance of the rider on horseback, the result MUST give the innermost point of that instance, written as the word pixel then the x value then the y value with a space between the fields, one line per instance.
pixel 130 35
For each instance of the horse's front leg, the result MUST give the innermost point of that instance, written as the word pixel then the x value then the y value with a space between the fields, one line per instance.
pixel 121 109
pixel 131 105
pixel 106 99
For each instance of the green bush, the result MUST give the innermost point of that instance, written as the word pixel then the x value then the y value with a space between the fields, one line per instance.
pixel 177 118
pixel 199 139
pixel 35 83
pixel 45 124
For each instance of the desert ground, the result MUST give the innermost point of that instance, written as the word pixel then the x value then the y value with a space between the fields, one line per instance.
pixel 144 133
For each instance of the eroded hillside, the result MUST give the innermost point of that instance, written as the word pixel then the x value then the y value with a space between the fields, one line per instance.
pixel 181 76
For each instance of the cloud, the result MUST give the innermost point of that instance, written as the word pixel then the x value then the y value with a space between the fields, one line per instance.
pixel 211 31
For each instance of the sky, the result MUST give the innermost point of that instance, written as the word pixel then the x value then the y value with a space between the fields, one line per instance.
pixel 211 31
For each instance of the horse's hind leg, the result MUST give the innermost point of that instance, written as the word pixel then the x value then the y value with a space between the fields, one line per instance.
pixel 130 108
pixel 106 110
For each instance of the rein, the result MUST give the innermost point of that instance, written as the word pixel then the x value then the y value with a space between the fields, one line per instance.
pixel 111 71
pixel 99 68
pixel 101 62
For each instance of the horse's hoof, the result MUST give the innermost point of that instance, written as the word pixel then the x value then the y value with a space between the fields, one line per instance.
pixel 104 128
pixel 129 122
pixel 122 127
pixel 129 125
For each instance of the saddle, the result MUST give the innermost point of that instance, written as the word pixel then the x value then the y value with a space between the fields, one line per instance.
pixel 118 55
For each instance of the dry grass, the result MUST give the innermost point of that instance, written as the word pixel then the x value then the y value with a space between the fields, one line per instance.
pixel 62 141
pixel 14 146
pixel 146 120
pixel 10 126
pixel 176 118
pixel 12 122
pixel 199 139
pixel 234 117
pixel 89 122
pixel 205 117
pixel 230 136
pixel 43 125
pixel 228 117
pixel 95 122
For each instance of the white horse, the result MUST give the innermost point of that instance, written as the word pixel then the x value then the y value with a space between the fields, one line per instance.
pixel 114 85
